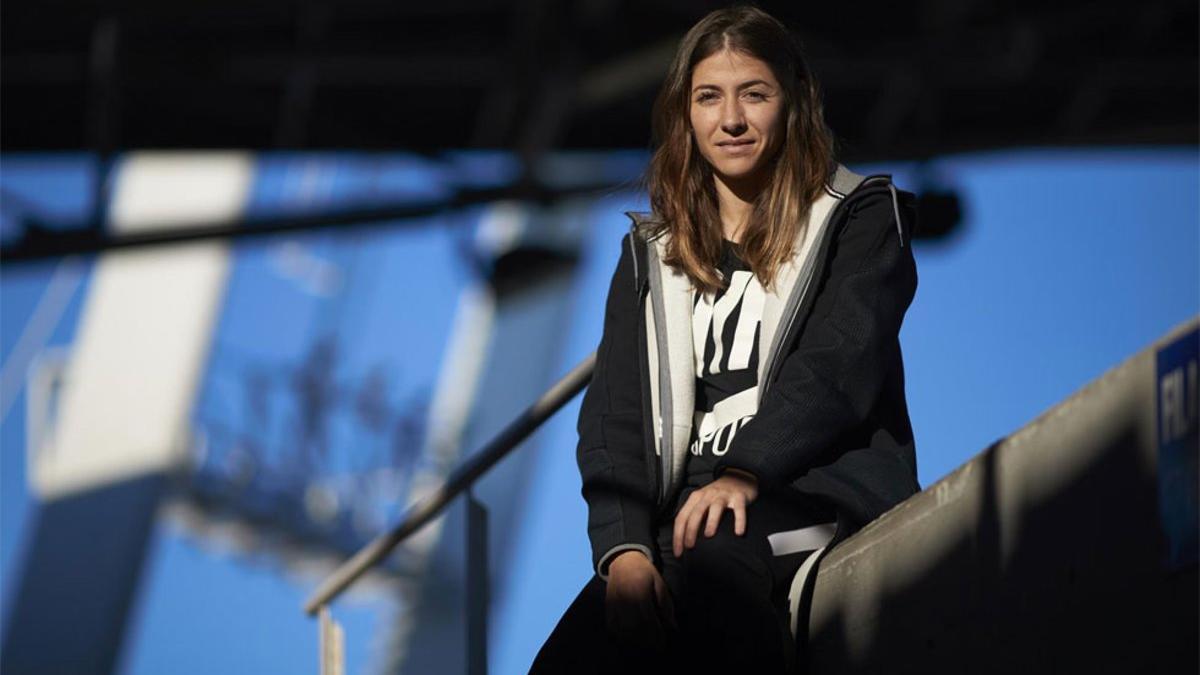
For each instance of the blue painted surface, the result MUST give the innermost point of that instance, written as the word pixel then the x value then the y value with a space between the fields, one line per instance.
pixel 1068 262
pixel 1177 369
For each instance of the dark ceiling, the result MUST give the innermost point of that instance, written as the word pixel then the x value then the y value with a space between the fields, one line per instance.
pixel 901 80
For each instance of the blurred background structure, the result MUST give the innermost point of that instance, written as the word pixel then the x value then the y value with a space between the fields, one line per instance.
pixel 269 271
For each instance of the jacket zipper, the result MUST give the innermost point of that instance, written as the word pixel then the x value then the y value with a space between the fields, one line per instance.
pixel 789 327
pixel 648 413
pixel 769 373
pixel 661 468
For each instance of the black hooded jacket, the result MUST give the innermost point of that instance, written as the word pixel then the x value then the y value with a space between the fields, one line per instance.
pixel 832 422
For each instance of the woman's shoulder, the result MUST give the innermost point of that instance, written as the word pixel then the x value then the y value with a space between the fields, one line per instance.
pixel 646 225
pixel 874 203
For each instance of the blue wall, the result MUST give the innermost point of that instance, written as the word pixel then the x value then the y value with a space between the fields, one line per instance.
pixel 1067 263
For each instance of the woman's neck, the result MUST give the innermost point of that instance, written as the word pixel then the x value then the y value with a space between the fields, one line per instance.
pixel 735 200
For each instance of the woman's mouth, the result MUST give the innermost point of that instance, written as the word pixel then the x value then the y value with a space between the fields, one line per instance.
pixel 736 147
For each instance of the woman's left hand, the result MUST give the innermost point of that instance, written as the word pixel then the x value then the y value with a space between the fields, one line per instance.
pixel 733 490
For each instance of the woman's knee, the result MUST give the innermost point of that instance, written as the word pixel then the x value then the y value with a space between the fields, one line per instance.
pixel 725 561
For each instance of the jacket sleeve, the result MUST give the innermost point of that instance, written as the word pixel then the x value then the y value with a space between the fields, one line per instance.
pixel 830 381
pixel 617 486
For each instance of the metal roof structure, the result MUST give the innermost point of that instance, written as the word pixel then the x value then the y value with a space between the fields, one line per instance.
pixel 901 80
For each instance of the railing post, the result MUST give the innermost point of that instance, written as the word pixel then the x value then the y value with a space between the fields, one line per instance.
pixel 477 585
pixel 332 644
pixel 430 507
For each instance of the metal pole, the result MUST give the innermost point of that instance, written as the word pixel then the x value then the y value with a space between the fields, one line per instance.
pixel 477 585
pixel 457 483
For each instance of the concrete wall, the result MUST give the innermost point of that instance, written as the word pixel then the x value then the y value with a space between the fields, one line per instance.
pixel 1045 553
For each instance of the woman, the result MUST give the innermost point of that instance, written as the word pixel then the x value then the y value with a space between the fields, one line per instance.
pixel 749 363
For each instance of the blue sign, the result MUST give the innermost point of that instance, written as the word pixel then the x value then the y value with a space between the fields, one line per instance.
pixel 1178 369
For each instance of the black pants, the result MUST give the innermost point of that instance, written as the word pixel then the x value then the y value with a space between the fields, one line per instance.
pixel 730 596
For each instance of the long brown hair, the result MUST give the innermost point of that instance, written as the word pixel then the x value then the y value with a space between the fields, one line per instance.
pixel 679 179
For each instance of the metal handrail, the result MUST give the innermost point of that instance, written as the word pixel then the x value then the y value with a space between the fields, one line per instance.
pixel 458 482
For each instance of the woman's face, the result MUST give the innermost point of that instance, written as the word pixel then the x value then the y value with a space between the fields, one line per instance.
pixel 737 113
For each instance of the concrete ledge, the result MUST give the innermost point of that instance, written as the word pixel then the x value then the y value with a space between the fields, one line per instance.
pixel 1045 553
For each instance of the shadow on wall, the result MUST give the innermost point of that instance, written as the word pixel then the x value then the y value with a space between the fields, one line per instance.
pixel 1084 589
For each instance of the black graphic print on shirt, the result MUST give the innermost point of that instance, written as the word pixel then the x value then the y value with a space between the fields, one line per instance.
pixel 725 328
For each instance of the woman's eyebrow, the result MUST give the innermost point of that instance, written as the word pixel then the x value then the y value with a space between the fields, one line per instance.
pixel 744 85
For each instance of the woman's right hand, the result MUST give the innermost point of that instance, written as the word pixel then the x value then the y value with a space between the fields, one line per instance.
pixel 637 602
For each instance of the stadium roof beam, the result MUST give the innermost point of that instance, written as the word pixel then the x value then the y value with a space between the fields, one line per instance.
pixel 476 74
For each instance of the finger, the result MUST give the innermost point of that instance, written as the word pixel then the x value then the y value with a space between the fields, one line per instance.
pixel 613 604
pixel 677 533
pixel 666 606
pixel 681 520
pixel 626 624
pixel 651 627
pixel 695 519
pixel 621 612
pixel 691 499
pixel 668 614
pixel 614 620
pixel 739 517
pixel 714 518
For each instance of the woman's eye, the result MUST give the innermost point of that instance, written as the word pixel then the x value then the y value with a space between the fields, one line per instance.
pixel 757 95
pixel 707 96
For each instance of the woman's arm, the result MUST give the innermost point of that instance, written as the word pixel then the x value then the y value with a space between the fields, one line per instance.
pixel 611 454
pixel 831 380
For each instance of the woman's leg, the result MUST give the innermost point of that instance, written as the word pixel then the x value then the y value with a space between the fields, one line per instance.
pixel 580 643
pixel 732 607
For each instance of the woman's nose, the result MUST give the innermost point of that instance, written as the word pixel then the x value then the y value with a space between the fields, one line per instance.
pixel 733 122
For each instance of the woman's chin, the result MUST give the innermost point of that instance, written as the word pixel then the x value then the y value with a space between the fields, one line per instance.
pixel 736 171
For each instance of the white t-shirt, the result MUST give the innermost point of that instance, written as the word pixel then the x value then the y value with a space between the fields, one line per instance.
pixel 725 328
